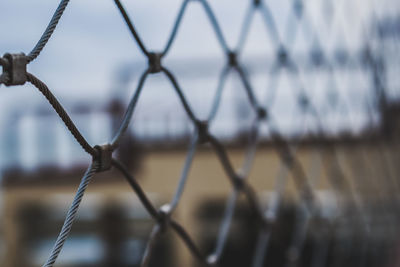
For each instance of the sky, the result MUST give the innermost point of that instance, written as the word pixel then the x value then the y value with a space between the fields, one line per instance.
pixel 91 46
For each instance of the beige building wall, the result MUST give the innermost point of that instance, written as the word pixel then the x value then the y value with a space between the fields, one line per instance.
pixel 371 171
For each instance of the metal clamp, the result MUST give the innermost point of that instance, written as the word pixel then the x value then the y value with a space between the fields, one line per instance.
pixel 256 2
pixel 212 260
pixel 262 113
pixel 15 69
pixel 164 216
pixel 103 157
pixel 298 8
pixel 239 182
pixel 202 129
pixel 303 101
pixel 154 62
pixel 317 57
pixel 232 59
pixel 283 57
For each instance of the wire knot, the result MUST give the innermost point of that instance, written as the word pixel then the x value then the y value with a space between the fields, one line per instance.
pixel 238 182
pixel 317 57
pixel 202 129
pixel 261 113
pixel 232 59
pixel 367 56
pixel 103 157
pixel 304 101
pixel 164 216
pixel 14 68
pixel 270 217
pixel 283 56
pixel 341 56
pixel 212 260
pixel 298 8
pixel 155 62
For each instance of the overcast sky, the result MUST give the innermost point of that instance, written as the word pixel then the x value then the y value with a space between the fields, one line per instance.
pixel 91 43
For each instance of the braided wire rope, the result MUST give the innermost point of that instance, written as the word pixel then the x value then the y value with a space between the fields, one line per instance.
pixel 48 31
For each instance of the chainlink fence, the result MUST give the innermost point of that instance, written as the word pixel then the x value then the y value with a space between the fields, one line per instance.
pixel 368 60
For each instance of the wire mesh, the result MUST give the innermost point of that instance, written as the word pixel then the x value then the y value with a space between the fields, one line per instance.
pixel 326 156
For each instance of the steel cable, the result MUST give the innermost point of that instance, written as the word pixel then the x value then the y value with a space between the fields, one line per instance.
pixel 71 215
pixel 42 87
pixel 49 31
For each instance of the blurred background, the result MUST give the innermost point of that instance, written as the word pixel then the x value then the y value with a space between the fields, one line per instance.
pixel 341 57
